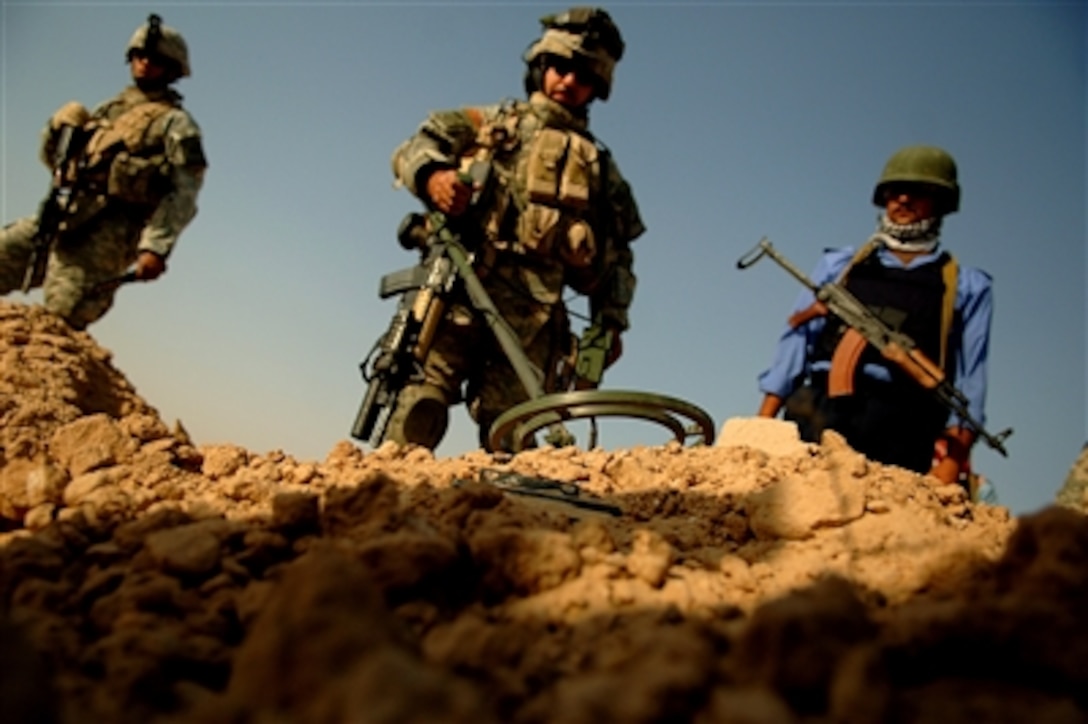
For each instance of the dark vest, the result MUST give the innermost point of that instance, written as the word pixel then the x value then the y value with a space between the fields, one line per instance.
pixel 907 300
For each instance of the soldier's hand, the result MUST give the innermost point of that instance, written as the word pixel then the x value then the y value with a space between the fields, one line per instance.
pixel 947 471
pixel 770 406
pixel 71 113
pixel 951 454
pixel 447 192
pixel 149 265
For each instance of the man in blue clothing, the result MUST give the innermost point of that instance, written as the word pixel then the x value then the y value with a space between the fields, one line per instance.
pixel 904 277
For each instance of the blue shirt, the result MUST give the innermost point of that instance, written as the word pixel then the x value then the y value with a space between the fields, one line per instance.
pixel 974 308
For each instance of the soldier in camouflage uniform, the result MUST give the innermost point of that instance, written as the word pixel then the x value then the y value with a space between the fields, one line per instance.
pixel 560 214
pixel 131 184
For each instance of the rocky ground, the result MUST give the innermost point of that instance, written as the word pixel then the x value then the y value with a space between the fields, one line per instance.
pixel 145 578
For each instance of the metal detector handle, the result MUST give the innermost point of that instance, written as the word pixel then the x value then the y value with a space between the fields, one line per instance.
pixel 528 375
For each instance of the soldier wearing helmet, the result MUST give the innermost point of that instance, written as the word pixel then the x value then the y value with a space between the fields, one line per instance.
pixel 125 182
pixel 556 213
pixel 906 278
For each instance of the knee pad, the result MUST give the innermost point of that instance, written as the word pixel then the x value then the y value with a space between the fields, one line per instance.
pixel 421 418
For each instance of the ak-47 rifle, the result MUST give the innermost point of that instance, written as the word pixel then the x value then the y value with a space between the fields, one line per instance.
pixel 54 207
pixel 893 345
pixel 397 358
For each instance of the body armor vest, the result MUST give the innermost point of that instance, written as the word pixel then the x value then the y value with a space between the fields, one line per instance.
pixel 124 160
pixel 549 182
pixel 911 301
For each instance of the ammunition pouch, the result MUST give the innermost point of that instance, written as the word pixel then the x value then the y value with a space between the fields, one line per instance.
pixel 80 210
pixel 560 169
pixel 137 180
pixel 559 178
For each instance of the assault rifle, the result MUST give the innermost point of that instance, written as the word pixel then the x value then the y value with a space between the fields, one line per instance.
pixel 397 357
pixel 893 345
pixel 53 208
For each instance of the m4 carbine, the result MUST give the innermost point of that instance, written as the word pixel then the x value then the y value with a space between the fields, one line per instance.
pixel 54 207
pixel 398 356
pixel 893 345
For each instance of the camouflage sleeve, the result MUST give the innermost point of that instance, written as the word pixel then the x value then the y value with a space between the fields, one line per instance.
pixel 185 154
pixel 609 302
pixel 611 299
pixel 439 142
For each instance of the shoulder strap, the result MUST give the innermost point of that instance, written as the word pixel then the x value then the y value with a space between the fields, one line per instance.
pixel 950 275
pixel 864 252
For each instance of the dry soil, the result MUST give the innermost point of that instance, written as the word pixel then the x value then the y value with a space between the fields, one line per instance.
pixel 148 578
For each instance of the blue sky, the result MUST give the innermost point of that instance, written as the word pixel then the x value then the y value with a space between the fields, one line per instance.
pixel 731 120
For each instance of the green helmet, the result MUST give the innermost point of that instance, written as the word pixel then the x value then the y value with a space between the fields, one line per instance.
pixel 584 34
pixel 155 38
pixel 926 165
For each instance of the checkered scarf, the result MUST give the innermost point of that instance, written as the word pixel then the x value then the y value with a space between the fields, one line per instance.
pixel 922 236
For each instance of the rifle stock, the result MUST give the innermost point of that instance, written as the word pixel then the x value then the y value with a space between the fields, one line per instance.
pixel 894 346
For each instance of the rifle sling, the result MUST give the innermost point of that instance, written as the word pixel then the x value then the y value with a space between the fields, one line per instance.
pixel 816 309
pixel 950 274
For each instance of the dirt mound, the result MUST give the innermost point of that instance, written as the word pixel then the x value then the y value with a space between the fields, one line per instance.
pixel 143 578
pixel 1074 493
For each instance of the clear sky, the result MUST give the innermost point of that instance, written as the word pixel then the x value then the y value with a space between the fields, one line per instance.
pixel 731 121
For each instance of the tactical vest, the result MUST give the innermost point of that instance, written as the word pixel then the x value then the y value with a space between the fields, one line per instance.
pixel 919 302
pixel 124 161
pixel 549 183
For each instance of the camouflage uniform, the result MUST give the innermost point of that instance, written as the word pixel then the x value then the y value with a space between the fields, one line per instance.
pixel 134 186
pixel 561 214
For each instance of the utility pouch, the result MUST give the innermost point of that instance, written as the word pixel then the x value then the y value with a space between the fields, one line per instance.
pixel 79 210
pixel 575 181
pixel 578 244
pixel 546 154
pixel 136 180
pixel 537 227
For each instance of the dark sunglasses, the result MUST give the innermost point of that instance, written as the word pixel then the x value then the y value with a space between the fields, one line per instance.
pixel 154 58
pixel 912 190
pixel 565 66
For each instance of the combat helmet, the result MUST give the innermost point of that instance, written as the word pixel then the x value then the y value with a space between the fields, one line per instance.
pixel 927 165
pixel 155 38
pixel 583 34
